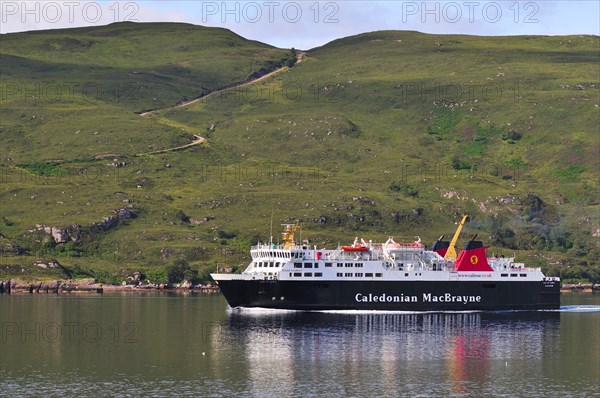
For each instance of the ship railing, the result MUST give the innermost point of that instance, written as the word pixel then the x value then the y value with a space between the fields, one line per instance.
pixel 520 267
pixel 420 257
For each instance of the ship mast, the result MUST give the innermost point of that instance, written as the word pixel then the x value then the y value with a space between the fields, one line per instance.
pixel 271 230
pixel 288 235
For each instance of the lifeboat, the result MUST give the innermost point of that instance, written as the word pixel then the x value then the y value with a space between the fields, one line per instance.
pixel 357 246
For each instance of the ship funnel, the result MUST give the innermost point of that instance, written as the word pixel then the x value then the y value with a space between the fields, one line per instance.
pixel 440 246
pixel 473 257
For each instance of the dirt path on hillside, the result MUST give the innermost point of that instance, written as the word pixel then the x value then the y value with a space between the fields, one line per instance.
pixel 299 58
pixel 199 140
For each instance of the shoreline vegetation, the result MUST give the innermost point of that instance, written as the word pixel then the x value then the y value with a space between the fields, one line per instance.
pixel 86 287
pixel 90 287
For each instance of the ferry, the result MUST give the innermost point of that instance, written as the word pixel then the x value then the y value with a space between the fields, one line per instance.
pixel 390 276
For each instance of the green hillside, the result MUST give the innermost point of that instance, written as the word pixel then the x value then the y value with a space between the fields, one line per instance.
pixel 384 133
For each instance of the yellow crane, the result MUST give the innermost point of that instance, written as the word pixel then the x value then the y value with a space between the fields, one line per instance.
pixel 451 253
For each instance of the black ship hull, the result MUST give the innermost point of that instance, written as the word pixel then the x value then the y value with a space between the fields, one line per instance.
pixel 392 295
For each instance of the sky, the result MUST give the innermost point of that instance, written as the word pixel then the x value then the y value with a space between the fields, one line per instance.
pixel 308 24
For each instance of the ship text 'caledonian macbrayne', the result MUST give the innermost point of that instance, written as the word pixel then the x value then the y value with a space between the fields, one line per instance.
pixel 427 298
pixel 386 276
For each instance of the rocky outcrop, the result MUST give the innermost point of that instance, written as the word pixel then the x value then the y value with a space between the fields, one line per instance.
pixel 133 280
pixel 73 232
pixel 47 264
pixel 112 221
pixel 579 287
pixel 62 235
pixel 59 235
pixel 12 287
pixel 201 221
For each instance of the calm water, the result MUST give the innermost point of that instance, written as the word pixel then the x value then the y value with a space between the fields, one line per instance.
pixel 161 345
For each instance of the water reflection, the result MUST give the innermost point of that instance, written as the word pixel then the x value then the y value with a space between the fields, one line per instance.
pixel 455 351
pixel 194 346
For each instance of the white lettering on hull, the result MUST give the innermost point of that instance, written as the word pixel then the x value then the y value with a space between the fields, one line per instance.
pixel 427 298
pixel 384 298
pixel 448 298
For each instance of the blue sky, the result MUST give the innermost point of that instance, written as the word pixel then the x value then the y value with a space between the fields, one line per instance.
pixel 307 24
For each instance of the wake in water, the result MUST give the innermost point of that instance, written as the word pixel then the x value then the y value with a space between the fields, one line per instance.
pixel 579 308
pixel 264 311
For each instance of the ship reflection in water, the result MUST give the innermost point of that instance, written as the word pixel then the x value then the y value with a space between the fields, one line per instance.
pixel 159 345
pixel 430 354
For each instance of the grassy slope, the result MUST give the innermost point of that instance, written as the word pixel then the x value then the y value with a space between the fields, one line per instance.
pixel 324 139
pixel 72 93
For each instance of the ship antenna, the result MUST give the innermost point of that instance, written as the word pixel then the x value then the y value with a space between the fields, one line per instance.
pixel 271 230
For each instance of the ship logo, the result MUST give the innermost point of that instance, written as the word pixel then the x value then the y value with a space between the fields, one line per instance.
pixel 474 260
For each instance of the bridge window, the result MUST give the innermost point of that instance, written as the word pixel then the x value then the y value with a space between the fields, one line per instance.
pixel 297 265
pixel 328 264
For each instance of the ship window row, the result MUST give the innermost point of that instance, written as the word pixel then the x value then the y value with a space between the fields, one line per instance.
pixel 307 274
pixel 270 264
pixel 306 265
pixel 348 265
pixel 274 254
pixel 358 275
pixel 514 275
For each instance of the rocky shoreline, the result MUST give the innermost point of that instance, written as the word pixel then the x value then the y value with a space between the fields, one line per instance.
pixel 74 287
pixel 580 287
